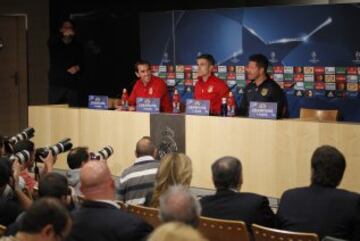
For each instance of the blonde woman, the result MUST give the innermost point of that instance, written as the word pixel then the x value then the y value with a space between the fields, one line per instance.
pixel 175 231
pixel 174 169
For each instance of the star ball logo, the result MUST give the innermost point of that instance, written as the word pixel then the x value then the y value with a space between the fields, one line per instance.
pixel 357 57
pixel 314 58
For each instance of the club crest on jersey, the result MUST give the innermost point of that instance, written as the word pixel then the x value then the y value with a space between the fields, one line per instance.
pixel 264 92
pixel 210 89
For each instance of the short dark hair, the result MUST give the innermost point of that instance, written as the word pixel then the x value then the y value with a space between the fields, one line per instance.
pixel 226 172
pixel 328 165
pixel 54 185
pixel 5 171
pixel 77 156
pixel 24 145
pixel 43 212
pixel 141 62
pixel 145 149
pixel 208 57
pixel 261 61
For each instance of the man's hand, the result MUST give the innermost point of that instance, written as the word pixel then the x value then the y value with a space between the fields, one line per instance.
pixel 49 162
pixel 16 169
pixel 73 69
pixel 132 108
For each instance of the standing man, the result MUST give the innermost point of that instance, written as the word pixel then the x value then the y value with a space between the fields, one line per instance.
pixel 66 54
pixel 149 86
pixel 261 88
pixel 209 87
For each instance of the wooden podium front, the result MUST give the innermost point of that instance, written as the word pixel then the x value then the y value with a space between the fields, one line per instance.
pixel 275 154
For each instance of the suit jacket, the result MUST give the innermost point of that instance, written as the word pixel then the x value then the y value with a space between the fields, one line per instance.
pixel 322 210
pixel 248 207
pixel 99 221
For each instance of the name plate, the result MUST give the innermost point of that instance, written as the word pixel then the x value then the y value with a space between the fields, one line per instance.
pixel 151 105
pixel 197 107
pixel 98 102
pixel 263 110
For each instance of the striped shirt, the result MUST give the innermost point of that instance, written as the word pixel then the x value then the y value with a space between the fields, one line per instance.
pixel 138 180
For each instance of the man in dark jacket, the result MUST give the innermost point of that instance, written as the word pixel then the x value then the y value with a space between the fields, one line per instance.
pixel 229 203
pixel 322 208
pixel 99 218
pixel 66 56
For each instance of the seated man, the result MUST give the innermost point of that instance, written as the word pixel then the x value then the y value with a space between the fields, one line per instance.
pixel 178 205
pixel 137 181
pixel 76 158
pixel 261 88
pixel 46 220
pixel 322 208
pixel 99 218
pixel 209 87
pixel 149 86
pixel 229 203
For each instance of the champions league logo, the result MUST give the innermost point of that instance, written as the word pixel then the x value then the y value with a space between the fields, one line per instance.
pixel 167 142
pixel 314 58
pixel 165 60
pixel 357 58
pixel 273 58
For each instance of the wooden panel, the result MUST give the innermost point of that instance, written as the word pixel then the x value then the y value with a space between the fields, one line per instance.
pixel 275 154
pixel 53 124
pixel 121 130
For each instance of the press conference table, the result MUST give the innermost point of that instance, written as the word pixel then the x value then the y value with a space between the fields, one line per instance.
pixel 275 153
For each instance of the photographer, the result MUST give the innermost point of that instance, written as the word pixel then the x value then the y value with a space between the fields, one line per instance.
pixel 9 209
pixel 76 158
pixel 53 185
pixel 13 199
pixel 28 165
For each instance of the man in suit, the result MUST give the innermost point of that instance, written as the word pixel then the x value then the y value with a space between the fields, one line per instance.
pixel 229 203
pixel 99 218
pixel 322 208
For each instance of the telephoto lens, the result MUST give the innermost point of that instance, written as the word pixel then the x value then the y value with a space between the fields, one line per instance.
pixel 21 156
pixel 26 134
pixel 62 146
pixel 103 154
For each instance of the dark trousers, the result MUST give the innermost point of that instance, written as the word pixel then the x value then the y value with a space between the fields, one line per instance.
pixel 63 95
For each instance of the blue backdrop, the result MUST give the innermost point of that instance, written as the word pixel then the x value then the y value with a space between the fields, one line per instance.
pixel 317 35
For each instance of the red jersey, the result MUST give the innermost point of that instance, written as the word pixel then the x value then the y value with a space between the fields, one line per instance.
pixel 156 88
pixel 214 89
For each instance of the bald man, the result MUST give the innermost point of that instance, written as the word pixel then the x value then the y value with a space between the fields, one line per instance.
pixel 137 181
pixel 178 205
pixel 99 218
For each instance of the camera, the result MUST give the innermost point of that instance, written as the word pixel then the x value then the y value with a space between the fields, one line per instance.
pixel 9 142
pixel 62 146
pixel 103 154
pixel 21 156
pixel 26 134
